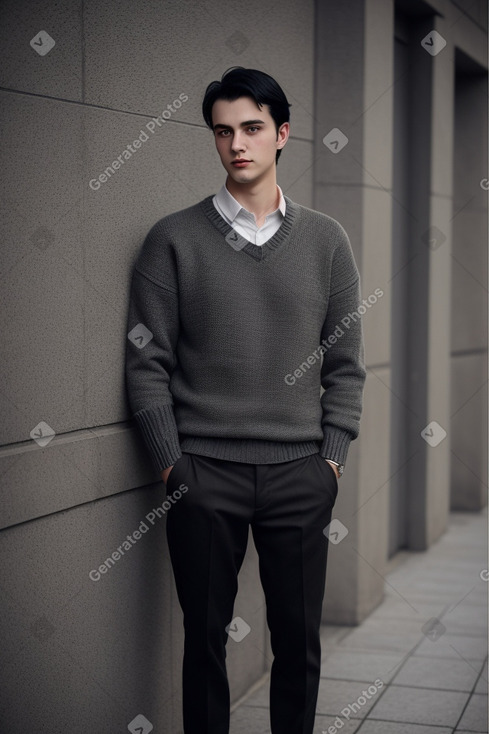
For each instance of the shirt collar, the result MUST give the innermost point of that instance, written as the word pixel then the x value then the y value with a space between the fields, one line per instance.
pixel 231 207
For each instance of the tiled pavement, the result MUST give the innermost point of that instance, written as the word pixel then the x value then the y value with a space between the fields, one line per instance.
pixel 433 682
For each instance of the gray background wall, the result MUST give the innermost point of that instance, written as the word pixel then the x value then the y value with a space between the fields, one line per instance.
pixel 90 655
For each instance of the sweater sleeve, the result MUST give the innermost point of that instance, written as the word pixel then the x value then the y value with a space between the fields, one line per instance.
pixel 343 370
pixel 152 335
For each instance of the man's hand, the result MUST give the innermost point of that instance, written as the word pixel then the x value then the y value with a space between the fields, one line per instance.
pixel 334 467
pixel 165 473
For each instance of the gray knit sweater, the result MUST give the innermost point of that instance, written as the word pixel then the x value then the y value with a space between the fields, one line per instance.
pixel 229 342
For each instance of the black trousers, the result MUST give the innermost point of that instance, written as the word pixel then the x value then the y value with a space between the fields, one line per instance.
pixel 288 506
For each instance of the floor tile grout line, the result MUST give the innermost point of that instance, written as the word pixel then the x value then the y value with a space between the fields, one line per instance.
pixel 470 696
pixel 391 682
pixel 435 727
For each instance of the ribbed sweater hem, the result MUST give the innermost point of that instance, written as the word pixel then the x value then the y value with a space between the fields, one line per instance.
pixel 250 451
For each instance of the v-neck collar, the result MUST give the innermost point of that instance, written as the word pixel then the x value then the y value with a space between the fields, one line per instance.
pixel 258 252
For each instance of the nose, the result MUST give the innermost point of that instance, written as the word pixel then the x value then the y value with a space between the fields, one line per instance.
pixel 238 143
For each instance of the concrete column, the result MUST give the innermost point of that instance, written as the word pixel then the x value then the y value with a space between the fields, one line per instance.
pixel 354 67
pixel 469 290
pixel 437 475
pixel 429 278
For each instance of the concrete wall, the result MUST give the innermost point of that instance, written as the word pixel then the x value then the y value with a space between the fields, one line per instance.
pixel 86 655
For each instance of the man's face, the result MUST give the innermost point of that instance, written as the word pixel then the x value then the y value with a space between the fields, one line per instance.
pixel 246 138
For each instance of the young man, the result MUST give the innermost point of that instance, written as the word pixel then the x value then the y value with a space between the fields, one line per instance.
pixel 242 298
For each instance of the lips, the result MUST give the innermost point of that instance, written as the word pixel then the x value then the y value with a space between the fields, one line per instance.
pixel 240 163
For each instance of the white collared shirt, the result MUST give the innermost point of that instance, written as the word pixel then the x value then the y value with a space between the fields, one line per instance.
pixel 244 222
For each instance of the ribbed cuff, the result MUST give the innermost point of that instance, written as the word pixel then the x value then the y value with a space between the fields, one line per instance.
pixel 160 434
pixel 335 444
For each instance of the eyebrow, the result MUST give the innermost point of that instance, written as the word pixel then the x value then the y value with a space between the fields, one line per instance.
pixel 243 124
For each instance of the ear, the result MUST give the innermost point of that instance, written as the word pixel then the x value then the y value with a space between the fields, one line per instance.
pixel 283 135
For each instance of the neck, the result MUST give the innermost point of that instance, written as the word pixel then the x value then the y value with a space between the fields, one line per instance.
pixel 260 197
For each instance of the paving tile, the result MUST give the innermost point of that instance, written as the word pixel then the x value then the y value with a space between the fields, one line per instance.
pixel 332 634
pixel 468 613
pixel 419 706
pixel 466 575
pixel 365 666
pixel 345 698
pixel 447 592
pixel 437 575
pixel 253 719
pixel 454 646
pixel 475 715
pixel 384 727
pixel 248 718
pixel 399 609
pixel 359 639
pixel 467 629
pixel 454 675
pixel 482 683
pixel 467 617
pixel 433 568
pixel 322 723
pixel 443 599
pixel 331 637
pixel 259 698
pixel 478 600
pixel 392 626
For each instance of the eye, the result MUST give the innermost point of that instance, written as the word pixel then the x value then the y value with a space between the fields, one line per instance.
pixel 223 133
pixel 253 128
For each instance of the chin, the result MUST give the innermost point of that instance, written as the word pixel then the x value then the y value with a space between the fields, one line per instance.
pixel 240 176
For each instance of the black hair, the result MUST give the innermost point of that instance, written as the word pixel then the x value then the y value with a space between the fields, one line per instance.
pixel 240 82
